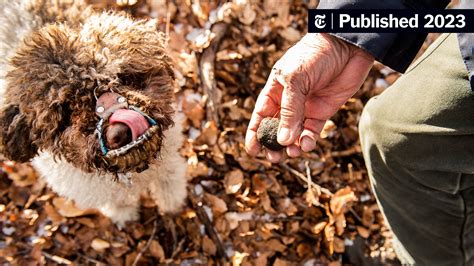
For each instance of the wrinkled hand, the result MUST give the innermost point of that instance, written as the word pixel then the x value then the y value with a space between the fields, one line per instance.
pixel 305 88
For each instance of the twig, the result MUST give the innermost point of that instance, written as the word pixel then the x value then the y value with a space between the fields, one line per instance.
pixel 304 178
pixel 202 215
pixel 206 71
pixel 147 245
pixel 351 172
pixel 56 259
pixel 311 199
pixel 177 249
pixel 91 259
pixel 355 214
pixel 348 152
pixel 308 175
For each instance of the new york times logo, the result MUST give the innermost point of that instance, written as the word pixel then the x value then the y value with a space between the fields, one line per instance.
pixel 320 21
pixel 386 20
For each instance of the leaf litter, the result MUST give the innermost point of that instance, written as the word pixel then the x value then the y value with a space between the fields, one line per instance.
pixel 241 210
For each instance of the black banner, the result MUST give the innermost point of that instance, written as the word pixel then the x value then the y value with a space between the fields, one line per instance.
pixel 390 20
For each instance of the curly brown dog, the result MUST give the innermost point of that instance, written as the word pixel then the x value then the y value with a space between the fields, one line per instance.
pixel 89 99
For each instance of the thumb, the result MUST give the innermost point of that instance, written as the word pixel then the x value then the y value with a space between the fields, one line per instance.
pixel 291 115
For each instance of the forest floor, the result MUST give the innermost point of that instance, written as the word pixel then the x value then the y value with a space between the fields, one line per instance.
pixel 314 210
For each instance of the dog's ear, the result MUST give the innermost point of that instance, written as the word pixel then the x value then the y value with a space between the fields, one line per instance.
pixel 15 136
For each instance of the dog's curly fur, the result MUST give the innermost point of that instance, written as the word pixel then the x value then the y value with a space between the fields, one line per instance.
pixel 64 57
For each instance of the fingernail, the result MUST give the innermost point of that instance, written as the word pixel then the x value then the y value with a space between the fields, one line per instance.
pixel 283 135
pixel 307 144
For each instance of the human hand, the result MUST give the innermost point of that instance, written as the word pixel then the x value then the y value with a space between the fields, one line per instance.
pixel 305 88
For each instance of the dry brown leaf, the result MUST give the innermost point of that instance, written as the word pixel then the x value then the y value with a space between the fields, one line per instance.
pixel 329 232
pixel 67 208
pixel 363 232
pixel 248 15
pixel 200 38
pixel 286 206
pixel 262 258
pixel 281 9
pixel 87 222
pixel 290 34
pixel 53 213
pixel 275 245
pixel 208 246
pixel 191 104
pixel 209 133
pixel 339 204
pixel 130 258
pixel 200 11
pixel 100 245
pixel 156 250
pixel 339 246
pixel 303 249
pixel 218 205
pixel 328 130
pixel 233 181
pixel 368 216
pixel 282 262
pixel 238 258
pixel 22 174
pixel 318 228
pixel 126 2
pixel 259 183
pixel 227 55
pixel 199 169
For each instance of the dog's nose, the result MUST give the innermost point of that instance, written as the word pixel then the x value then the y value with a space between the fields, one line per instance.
pixel 118 135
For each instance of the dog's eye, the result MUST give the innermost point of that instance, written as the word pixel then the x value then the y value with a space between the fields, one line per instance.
pixel 100 109
pixel 121 99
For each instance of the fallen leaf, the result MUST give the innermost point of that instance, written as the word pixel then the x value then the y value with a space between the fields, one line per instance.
pixel 233 181
pixel 218 205
pixel 319 227
pixel 156 250
pixel 100 245
pixel 52 213
pixel 238 258
pixel 339 204
pixel 67 208
pixel 282 262
pixel 363 232
pixel 339 246
pixel 208 246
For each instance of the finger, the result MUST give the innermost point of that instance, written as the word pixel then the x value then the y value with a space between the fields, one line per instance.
pixel 293 151
pixel 273 156
pixel 311 130
pixel 267 105
pixel 291 115
pixel 252 147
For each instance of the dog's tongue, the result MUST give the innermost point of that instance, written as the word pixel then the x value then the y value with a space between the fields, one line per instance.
pixel 134 120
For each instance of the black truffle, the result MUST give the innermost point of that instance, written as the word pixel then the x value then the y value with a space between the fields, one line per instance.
pixel 267 134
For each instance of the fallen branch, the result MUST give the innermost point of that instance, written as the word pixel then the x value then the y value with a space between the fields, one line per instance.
pixel 57 259
pixel 305 179
pixel 145 248
pixel 89 259
pixel 311 199
pixel 348 152
pixel 206 72
pixel 210 229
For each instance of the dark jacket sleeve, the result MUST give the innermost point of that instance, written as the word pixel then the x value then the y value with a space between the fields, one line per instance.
pixel 395 50
pixel 466 44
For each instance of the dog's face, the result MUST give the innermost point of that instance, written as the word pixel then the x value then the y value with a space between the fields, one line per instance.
pixel 99 96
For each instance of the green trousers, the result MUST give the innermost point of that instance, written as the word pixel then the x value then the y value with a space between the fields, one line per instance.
pixel 418 143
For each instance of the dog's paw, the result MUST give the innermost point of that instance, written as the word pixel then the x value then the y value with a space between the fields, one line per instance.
pixel 120 215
